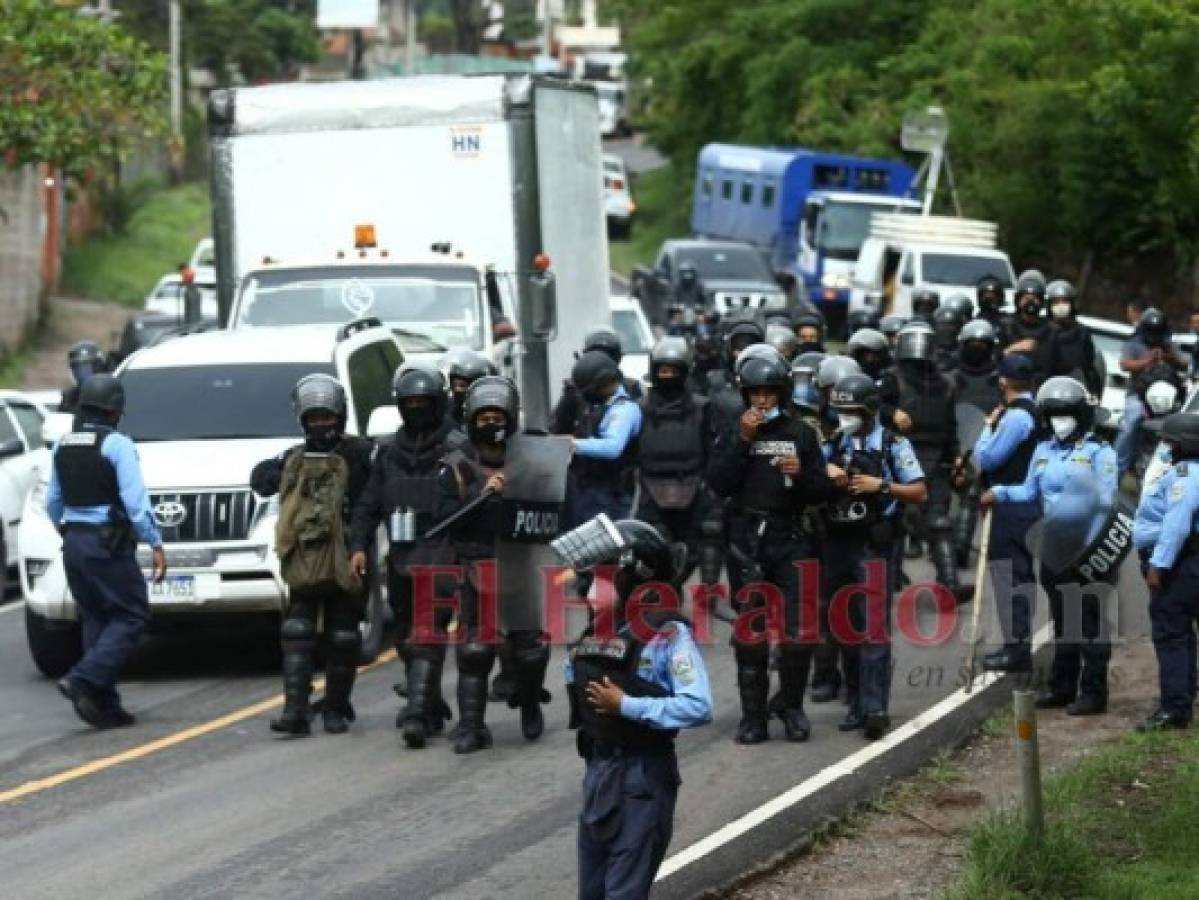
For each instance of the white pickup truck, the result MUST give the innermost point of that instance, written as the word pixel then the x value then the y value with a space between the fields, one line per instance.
pixel 203 411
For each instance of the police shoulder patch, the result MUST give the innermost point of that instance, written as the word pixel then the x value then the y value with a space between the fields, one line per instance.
pixel 683 667
pixel 1177 491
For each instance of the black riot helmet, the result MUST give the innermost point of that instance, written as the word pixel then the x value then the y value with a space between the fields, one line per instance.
pixel 784 340
pixel 1182 431
pixel 810 319
pixel 103 394
pixel 757 351
pixel 593 371
pixel 320 393
pixel 863 317
pixel 871 350
pixel 1061 291
pixel 833 369
pixel 86 359
pixel 947 323
pixel 976 345
pixel 420 394
pixel 989 294
pixel 856 392
pixel 467 365
pixel 1065 396
pixel 491 392
pixel 962 304
pixel 924 303
pixel 637 548
pixel 763 371
pixel 670 351
pixel 1153 327
pixel 890 326
pixel 916 344
pixel 806 365
pixel 739 334
pixel 605 340
pixel 1030 285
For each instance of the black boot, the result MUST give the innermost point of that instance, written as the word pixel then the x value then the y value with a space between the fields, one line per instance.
pixel 336 711
pixel 964 527
pixel 753 683
pixel 530 658
pixel 298 646
pixel 945 563
pixel 793 682
pixel 826 679
pixel 503 686
pixel 415 716
pixel 1162 720
pixel 472 703
pixel 1087 705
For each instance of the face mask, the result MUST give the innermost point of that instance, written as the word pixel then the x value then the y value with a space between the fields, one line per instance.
pixel 322 439
pixel 810 347
pixel 459 402
pixel 1063 426
pixel 1060 310
pixel 1030 310
pixel 870 364
pixel 669 387
pixel 419 418
pixel 488 434
pixel 975 355
pixel 771 414
pixel 849 424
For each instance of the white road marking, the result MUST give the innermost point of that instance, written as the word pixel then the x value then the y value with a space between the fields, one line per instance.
pixel 9 607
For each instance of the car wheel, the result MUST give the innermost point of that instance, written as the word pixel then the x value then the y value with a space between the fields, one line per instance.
pixel 54 645
pixel 375 621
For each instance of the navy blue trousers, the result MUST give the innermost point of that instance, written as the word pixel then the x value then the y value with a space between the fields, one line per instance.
pixel 626 824
pixel 867 663
pixel 114 606
pixel 1173 612
pixel 1011 566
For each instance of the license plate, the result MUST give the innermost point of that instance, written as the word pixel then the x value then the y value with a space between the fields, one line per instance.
pixel 174 588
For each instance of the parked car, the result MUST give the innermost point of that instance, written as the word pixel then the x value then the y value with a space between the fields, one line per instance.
pixel 613 111
pixel 731 275
pixel 618 201
pixel 219 536
pixel 166 298
pixel 1109 337
pixel 24 459
pixel 149 329
pixel 203 263
pixel 636 336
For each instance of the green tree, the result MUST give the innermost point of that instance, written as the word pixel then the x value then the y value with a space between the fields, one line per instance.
pixel 74 92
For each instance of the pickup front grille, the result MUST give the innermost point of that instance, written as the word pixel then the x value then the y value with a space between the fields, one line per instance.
pixel 205 516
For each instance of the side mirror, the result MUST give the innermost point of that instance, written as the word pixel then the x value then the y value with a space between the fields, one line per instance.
pixel 908 278
pixel 543 306
pixel 11 448
pixel 384 421
pixel 56 426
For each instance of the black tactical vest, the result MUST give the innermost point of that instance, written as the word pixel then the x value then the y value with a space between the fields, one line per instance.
pixel 1070 356
pixel 980 390
pixel 85 476
pixel 765 488
pixel 856 514
pixel 610 474
pixel 672 440
pixel 1015 469
pixel 412 466
pixel 929 402
pixel 619 658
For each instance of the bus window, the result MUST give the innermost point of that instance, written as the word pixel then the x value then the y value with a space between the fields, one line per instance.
pixel 707 184
pixel 747 192
pixel 768 194
pixel 726 190
pixel 831 177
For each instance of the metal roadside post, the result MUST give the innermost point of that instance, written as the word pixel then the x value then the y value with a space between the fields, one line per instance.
pixel 1028 755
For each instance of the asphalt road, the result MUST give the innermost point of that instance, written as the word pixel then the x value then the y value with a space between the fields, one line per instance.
pixel 238 812
pixel 638 156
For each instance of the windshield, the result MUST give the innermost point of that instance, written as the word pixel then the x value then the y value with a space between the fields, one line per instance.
pixel 430 308
pixel 227 401
pixel 726 262
pixel 950 268
pixel 843 227
pixel 628 329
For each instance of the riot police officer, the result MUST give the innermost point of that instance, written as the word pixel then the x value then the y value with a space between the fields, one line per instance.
pixel 741 329
pixel 875 472
pixel 605 440
pixel 990 297
pixel 1028 332
pixel 783 340
pixel 85 359
pixel 319 403
pixel 1173 576
pixel 869 316
pixel 1070 469
pixel 978 386
pixel 403 493
pixel 1071 350
pixel 947 325
pixel 928 399
pixel 631 690
pixel 809 328
pixel 1002 455
pixel 98 500
pixel 769 469
pixel 924 303
pixel 566 414
pixel 706 349
pixel 805 396
pixel 672 458
pixel 962 304
pixel 463 368
pixel 510 493
pixel 890 326
pixel 1147 356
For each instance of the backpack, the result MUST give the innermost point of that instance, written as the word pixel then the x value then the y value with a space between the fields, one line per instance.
pixel 310 536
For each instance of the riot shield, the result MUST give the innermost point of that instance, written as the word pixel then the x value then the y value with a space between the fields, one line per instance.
pixel 971 422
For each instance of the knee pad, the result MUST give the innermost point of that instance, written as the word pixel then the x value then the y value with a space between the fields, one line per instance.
pixel 344 645
pixel 475 658
pixel 939 523
pixel 529 648
pixel 298 631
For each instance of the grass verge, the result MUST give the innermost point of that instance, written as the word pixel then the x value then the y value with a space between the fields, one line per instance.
pixel 1122 824
pixel 161 234
pixel 663 211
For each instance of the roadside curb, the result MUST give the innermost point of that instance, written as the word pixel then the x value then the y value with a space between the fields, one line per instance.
pixel 780 835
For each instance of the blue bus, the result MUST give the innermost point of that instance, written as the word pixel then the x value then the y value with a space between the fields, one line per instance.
pixel 808 212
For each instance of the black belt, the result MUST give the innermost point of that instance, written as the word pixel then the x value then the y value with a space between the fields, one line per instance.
pixel 617 751
pixel 84 526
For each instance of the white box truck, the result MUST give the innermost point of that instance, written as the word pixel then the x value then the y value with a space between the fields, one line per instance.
pixel 423 202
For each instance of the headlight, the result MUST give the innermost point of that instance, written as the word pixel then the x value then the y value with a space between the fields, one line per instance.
pixel 775 301
pixel 835 280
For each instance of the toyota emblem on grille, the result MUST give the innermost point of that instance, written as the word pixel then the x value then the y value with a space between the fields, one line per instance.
pixel 169 514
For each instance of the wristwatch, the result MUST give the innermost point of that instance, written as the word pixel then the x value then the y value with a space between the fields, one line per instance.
pixel 885 488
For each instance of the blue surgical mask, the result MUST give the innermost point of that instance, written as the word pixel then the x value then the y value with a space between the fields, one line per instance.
pixel 771 414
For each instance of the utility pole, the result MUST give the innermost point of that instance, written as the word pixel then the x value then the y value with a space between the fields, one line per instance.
pixel 410 39
pixel 547 33
pixel 176 62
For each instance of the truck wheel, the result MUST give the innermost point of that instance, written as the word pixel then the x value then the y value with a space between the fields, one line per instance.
pixel 618 230
pixel 374 623
pixel 55 646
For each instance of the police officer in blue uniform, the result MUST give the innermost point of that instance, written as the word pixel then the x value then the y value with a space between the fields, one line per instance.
pixel 1173 573
pixel 1070 465
pixel 1003 454
pixel 633 684
pixel 97 497
pixel 876 472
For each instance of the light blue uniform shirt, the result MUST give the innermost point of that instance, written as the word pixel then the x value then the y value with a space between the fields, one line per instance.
pixel 1151 512
pixel 996 446
pixel 900 466
pixel 620 424
pixel 672 661
pixel 1181 487
pixel 1055 465
pixel 122 454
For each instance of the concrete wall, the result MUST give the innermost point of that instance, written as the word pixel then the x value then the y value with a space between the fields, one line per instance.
pixel 28 251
